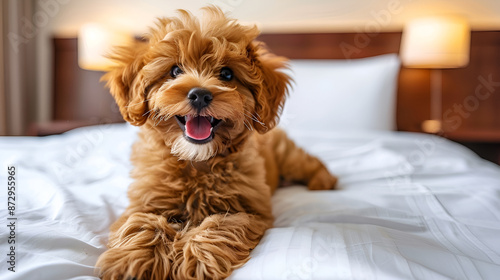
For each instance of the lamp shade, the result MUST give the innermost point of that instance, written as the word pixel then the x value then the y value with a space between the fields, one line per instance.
pixel 94 43
pixel 436 42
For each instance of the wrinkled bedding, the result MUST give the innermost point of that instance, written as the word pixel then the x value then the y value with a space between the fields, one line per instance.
pixel 410 206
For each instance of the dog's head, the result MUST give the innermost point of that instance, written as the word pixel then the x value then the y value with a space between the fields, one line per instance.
pixel 204 84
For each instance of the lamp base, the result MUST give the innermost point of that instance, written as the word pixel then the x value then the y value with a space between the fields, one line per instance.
pixel 432 126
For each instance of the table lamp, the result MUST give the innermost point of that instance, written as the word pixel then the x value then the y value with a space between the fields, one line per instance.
pixel 95 41
pixel 435 43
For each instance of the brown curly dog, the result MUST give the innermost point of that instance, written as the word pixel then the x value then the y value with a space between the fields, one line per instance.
pixel 207 160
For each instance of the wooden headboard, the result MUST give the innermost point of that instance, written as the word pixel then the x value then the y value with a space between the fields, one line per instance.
pixel 79 96
pixel 477 116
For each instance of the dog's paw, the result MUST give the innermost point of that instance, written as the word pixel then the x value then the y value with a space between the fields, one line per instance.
pixel 222 243
pixel 322 180
pixel 117 264
pixel 139 249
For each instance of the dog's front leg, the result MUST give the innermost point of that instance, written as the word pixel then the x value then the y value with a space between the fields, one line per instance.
pixel 139 249
pixel 221 243
pixel 293 164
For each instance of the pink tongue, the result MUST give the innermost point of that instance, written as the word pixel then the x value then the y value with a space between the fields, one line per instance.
pixel 198 128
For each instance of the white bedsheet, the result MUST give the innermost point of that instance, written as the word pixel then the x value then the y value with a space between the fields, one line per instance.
pixel 411 206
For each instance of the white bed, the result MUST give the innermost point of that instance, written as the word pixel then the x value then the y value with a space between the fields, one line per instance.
pixel 410 206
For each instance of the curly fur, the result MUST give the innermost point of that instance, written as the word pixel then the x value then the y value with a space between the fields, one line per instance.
pixel 197 210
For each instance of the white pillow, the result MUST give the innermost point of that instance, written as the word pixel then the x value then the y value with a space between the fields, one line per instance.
pixel 342 95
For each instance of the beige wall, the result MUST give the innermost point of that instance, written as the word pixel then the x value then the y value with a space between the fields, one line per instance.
pixel 64 17
pixel 276 15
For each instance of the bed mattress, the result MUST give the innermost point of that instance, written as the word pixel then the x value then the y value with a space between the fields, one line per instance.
pixel 409 206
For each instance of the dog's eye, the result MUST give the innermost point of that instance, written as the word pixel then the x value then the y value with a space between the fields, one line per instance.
pixel 175 71
pixel 226 74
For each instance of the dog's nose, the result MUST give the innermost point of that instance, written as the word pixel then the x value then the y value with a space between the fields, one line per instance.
pixel 199 97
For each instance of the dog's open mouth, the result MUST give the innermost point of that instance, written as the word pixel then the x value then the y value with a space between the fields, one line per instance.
pixel 198 129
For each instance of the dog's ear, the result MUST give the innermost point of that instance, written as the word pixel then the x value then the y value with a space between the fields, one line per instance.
pixel 125 83
pixel 270 95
